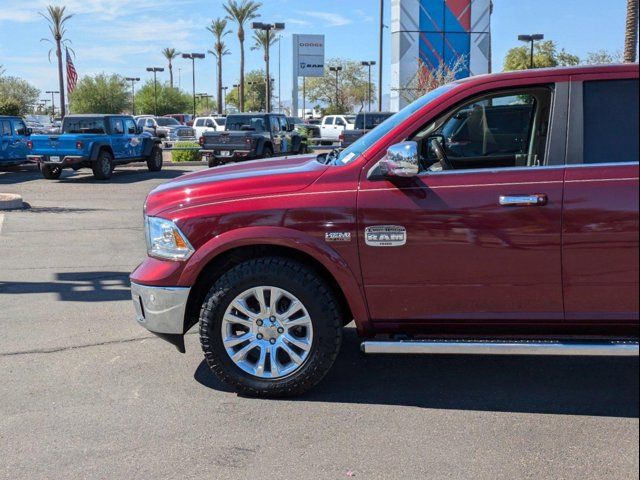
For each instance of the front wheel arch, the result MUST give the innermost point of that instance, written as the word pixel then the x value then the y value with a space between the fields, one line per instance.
pixel 230 258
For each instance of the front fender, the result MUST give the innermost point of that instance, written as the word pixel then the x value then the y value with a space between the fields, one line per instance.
pixel 283 237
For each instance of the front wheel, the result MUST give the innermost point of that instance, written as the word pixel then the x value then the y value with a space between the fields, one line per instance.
pixel 154 160
pixel 270 327
pixel 51 172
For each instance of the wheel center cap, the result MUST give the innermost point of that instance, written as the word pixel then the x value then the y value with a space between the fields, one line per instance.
pixel 269 329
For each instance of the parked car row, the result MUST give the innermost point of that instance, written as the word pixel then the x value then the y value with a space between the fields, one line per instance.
pixel 165 128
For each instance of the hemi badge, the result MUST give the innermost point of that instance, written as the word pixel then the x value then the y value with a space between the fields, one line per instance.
pixel 337 236
pixel 385 236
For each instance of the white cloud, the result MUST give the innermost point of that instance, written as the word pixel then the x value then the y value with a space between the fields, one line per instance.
pixel 328 19
pixel 364 16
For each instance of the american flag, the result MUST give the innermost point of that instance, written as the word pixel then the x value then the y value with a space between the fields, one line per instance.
pixel 72 75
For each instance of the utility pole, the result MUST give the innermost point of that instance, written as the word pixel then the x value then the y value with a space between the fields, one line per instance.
pixel 279 74
pixel 267 27
pixel 380 55
pixel 531 39
pixel 155 71
pixel 192 57
pixel 133 93
pixel 53 101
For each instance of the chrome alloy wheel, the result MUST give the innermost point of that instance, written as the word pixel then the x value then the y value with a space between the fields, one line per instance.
pixel 267 332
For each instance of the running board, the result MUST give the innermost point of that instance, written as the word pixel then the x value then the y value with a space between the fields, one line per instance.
pixel 614 348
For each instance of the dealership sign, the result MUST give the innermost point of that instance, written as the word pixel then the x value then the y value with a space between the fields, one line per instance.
pixel 308 55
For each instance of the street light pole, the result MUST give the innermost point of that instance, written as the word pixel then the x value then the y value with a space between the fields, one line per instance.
pixel 133 93
pixel 224 99
pixel 369 64
pixel 531 39
pixel 53 101
pixel 155 71
pixel 380 41
pixel 237 86
pixel 192 57
pixel 267 27
pixel 337 71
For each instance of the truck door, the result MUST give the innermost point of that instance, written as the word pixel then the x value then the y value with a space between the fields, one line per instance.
pixel 119 141
pixel 327 128
pixel 6 137
pixel 276 134
pixel 19 144
pixel 600 218
pixel 135 144
pixel 476 237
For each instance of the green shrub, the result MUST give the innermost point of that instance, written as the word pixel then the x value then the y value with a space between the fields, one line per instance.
pixel 186 155
pixel 9 106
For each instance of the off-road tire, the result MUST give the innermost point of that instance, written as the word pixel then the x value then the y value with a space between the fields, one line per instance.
pixel 154 160
pixel 307 286
pixel 50 172
pixel 267 152
pixel 103 165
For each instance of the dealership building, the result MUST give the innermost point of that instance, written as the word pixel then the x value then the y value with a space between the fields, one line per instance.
pixel 436 32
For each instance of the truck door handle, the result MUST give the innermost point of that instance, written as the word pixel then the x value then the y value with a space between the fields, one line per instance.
pixel 532 200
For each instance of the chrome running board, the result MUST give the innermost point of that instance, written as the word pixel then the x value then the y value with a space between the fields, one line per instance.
pixel 613 348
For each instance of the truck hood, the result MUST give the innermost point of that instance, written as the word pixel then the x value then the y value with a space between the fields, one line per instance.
pixel 240 180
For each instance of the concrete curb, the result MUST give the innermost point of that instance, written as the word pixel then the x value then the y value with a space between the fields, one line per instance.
pixel 10 201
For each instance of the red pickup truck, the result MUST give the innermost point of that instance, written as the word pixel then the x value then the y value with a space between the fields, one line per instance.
pixel 496 215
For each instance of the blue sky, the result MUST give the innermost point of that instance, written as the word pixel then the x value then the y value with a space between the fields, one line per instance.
pixel 125 36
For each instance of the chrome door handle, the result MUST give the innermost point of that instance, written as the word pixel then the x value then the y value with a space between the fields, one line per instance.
pixel 534 200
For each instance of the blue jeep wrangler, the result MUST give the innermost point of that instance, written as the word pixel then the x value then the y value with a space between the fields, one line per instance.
pixel 13 140
pixel 99 142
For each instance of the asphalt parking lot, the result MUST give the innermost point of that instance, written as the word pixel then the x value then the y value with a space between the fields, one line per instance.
pixel 86 393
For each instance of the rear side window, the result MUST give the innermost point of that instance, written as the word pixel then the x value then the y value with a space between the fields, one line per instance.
pixel 610 121
pixel 6 128
pixel 83 125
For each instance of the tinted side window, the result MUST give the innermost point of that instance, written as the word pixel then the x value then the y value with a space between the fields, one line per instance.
pixel 610 121
pixel 20 128
pixel 6 128
pixel 130 126
pixel 118 127
pixel 199 122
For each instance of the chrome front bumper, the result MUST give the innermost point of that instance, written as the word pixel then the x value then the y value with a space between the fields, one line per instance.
pixel 160 309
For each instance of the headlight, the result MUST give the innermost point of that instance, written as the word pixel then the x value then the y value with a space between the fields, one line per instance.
pixel 165 240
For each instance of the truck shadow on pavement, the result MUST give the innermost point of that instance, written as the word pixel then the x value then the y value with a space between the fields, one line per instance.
pixel 77 287
pixel 123 176
pixel 526 384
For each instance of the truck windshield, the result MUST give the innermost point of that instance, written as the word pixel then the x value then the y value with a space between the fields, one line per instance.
pixel 79 125
pixel 367 121
pixel 165 122
pixel 355 149
pixel 245 122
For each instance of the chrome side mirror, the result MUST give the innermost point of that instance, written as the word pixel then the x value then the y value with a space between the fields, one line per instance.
pixel 401 160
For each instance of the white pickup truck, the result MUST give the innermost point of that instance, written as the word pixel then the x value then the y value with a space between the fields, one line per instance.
pixel 333 125
pixel 208 124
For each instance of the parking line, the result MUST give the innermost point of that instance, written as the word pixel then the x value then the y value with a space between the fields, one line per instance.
pixel 1 222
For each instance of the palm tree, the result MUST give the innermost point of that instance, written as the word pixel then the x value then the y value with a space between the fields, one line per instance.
pixel 219 29
pixel 57 19
pixel 170 54
pixel 263 41
pixel 241 13
pixel 631 31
